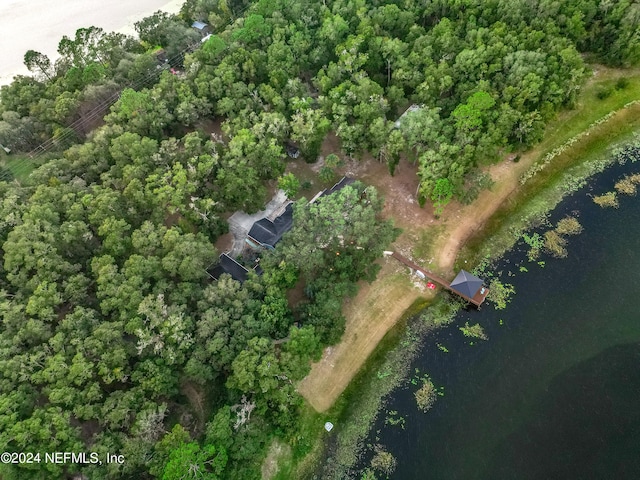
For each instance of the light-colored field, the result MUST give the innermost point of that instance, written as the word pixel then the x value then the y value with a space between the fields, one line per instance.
pixel 40 24
pixel 371 314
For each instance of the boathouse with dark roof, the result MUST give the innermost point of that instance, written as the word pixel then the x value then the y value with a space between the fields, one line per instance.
pixel 469 286
pixel 465 285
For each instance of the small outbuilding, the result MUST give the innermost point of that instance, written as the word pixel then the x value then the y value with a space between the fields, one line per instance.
pixel 469 286
pixel 202 28
pixel 292 150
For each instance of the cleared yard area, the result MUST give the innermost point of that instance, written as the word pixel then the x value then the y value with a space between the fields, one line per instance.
pixel 20 167
pixel 377 307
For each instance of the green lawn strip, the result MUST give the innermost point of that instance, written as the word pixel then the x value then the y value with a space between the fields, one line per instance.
pixel 385 373
pixel 385 370
pixel 20 167
pixel 543 192
pixel 353 412
pixel 590 108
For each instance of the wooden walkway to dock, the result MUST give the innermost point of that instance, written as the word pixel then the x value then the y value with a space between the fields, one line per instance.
pixel 476 300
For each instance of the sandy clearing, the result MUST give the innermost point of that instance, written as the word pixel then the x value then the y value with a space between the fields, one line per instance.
pixel 464 220
pixel 40 24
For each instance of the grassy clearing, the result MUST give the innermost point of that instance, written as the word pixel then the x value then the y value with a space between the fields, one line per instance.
pixel 279 452
pixel 385 300
pixel 307 449
pixel 353 412
pixel 426 241
pixel 20 167
pixel 589 107
pixel 388 369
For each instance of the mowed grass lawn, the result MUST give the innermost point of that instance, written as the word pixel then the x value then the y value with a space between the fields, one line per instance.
pixel 20 167
pixel 589 107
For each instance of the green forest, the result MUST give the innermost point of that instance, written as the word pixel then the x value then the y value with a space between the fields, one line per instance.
pixel 114 338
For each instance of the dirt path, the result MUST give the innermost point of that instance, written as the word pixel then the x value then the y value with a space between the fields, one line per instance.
pixel 462 221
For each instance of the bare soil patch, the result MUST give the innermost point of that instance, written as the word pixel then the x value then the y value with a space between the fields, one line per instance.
pixel 462 221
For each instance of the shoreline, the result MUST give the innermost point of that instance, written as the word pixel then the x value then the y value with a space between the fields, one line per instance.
pixel 458 226
pixel 496 406
pixel 346 448
pixel 48 23
pixel 568 124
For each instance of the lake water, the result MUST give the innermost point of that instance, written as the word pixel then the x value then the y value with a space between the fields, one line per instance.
pixel 555 391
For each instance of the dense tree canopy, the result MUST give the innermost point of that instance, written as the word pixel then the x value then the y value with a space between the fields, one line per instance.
pixel 114 339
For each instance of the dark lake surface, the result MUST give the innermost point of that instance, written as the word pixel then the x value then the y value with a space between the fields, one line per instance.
pixel 555 391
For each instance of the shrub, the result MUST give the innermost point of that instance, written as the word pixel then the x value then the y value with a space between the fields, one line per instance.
pixel 383 461
pixel 604 92
pixel 622 83
pixel 326 174
pixel 426 395
pixel 555 244
pixel 568 226
pixel 626 186
pixel 609 199
pixel 290 184
pixel 333 161
pixel 474 331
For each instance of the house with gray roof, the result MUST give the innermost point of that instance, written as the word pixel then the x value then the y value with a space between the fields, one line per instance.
pixel 266 233
pixel 228 265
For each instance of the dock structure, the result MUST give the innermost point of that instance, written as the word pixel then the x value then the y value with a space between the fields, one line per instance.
pixel 465 285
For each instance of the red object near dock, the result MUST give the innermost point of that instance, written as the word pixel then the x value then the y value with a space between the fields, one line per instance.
pixel 465 285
